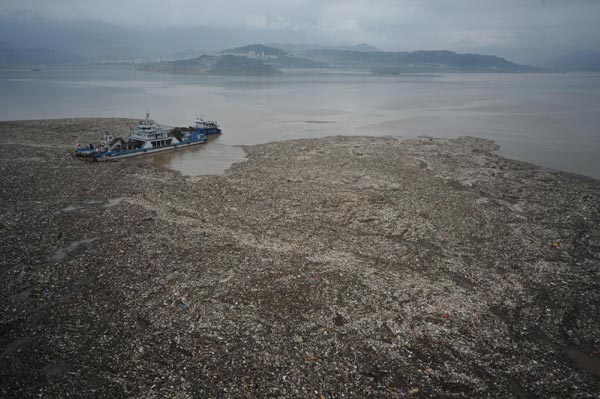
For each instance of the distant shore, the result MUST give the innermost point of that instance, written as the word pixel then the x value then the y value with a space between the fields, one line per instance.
pixel 363 266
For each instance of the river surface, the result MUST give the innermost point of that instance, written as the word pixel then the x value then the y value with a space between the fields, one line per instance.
pixel 552 120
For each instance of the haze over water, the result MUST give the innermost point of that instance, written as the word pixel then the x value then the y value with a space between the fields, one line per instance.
pixel 551 120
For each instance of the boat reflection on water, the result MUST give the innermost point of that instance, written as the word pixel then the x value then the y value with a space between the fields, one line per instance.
pixel 213 159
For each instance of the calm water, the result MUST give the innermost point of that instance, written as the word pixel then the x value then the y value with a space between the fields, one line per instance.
pixel 552 120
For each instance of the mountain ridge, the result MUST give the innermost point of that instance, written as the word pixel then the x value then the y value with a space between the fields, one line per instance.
pixel 377 62
pixel 418 61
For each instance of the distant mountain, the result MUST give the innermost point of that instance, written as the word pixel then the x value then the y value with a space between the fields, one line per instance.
pixel 187 54
pixel 301 49
pixel 258 51
pixel 586 60
pixel 258 59
pixel 206 60
pixel 230 65
pixel 215 65
pixel 363 47
pixel 191 66
pixel 10 54
pixel 273 56
pixel 235 65
pixel 416 61
pixel 296 62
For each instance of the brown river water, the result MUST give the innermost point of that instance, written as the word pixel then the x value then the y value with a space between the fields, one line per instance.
pixel 212 158
pixel 552 120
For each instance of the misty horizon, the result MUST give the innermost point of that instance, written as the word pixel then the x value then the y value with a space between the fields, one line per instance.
pixel 528 32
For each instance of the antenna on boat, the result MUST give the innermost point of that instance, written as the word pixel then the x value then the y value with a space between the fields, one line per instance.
pixel 147 115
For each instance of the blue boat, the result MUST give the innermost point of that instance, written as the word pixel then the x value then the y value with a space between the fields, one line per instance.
pixel 207 127
pixel 147 138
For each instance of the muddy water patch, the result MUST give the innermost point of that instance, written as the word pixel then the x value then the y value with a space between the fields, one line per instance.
pixel 21 296
pixel 13 347
pixel 584 361
pixel 55 371
pixel 62 253
pixel 518 389
pixel 206 159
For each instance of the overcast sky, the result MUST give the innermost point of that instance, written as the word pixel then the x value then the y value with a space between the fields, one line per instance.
pixel 522 30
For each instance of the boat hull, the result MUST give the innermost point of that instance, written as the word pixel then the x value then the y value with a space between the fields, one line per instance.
pixel 210 131
pixel 107 156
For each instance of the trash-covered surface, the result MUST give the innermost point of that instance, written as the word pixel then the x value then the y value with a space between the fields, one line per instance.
pixel 323 268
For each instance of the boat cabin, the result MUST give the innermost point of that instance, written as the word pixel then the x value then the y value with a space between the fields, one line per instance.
pixel 149 134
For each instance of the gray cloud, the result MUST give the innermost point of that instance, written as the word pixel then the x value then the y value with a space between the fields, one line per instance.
pixel 518 29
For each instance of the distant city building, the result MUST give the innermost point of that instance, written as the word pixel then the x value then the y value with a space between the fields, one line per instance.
pixel 259 55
